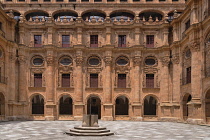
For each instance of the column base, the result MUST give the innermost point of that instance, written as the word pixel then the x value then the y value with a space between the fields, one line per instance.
pixel 170 119
pixel 78 118
pixel 136 119
pixel 49 118
pixel 107 118
pixel 195 121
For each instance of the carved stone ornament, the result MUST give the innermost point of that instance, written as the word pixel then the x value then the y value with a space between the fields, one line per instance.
pixel 65 69
pixel 137 60
pixel 195 46
pixel 175 59
pixel 50 60
pixel 22 59
pixel 108 60
pixel 12 57
pixel 165 60
pixel 37 70
pixel 122 69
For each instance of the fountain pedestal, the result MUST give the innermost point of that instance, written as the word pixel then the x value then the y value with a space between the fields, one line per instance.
pixel 89 127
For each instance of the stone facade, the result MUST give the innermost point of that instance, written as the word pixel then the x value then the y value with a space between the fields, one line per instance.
pixel 123 60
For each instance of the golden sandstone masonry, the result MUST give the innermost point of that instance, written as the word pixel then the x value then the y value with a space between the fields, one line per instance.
pixel 121 59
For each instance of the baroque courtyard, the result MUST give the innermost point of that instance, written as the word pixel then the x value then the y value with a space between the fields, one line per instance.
pixel 124 130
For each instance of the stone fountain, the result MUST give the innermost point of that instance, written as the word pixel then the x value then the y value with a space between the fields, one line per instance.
pixel 89 127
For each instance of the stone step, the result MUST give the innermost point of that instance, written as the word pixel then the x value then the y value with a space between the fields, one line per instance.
pixel 89 131
pixel 90 128
pixel 89 134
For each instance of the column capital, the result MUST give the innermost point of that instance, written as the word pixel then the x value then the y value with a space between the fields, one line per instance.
pixel 79 58
pixel 50 60
pixel 165 60
pixel 22 59
pixel 175 59
pixel 137 60
pixel 194 46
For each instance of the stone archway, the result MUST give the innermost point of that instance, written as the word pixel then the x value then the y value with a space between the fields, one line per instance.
pixel 2 104
pixel 38 104
pixel 94 106
pixel 186 99
pixel 150 106
pixel 121 105
pixel 65 105
pixel 207 107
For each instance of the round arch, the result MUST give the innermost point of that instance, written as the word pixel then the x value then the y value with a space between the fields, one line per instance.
pixel 34 13
pixel 153 13
pixel 37 104
pixel 64 10
pixel 65 105
pixel 123 10
pixel 185 108
pixel 93 10
pixel 121 105
pixel 97 14
pixel 94 105
pixel 150 105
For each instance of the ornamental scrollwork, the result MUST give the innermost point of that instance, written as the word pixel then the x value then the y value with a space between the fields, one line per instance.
pixel 137 60
pixel 22 59
pixel 79 58
pixel 108 60
pixel 50 60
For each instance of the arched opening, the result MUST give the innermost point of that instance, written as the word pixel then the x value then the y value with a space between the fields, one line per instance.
pixel 38 104
pixel 207 106
pixel 121 106
pixel 68 15
pixel 16 14
pixel 2 104
pixel 37 15
pixel 150 106
pixel 94 106
pixel 121 15
pixel 65 106
pixel 147 15
pixel 93 15
pixel 187 98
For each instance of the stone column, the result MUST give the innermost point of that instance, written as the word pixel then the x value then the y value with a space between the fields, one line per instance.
pixel 194 14
pixel 165 36
pixel 50 110
pixel 79 105
pixel 50 77
pixel 12 89
pixel 164 87
pixel 23 79
pixel 136 106
pixel 108 106
pixel 176 78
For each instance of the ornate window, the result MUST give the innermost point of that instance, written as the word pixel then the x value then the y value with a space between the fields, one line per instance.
pixel 38 80
pixel 37 41
pixel 94 80
pixel 65 41
pixel 150 61
pixel 66 61
pixel 150 41
pixel 122 61
pixel 94 41
pixel 149 80
pixel 94 61
pixel 121 83
pixel 38 61
pixel 65 80
pixel 121 41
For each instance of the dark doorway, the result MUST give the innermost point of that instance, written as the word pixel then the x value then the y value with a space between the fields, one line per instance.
pixel 121 106
pixel 94 106
pixel 38 104
pixel 150 106
pixel 207 107
pixel 187 98
pixel 65 106
pixel 2 104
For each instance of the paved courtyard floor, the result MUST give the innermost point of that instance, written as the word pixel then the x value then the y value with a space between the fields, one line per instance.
pixel 124 130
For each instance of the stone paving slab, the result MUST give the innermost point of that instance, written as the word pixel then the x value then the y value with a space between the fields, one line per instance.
pixel 124 130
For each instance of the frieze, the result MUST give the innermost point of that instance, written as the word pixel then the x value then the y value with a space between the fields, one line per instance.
pixel 37 70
